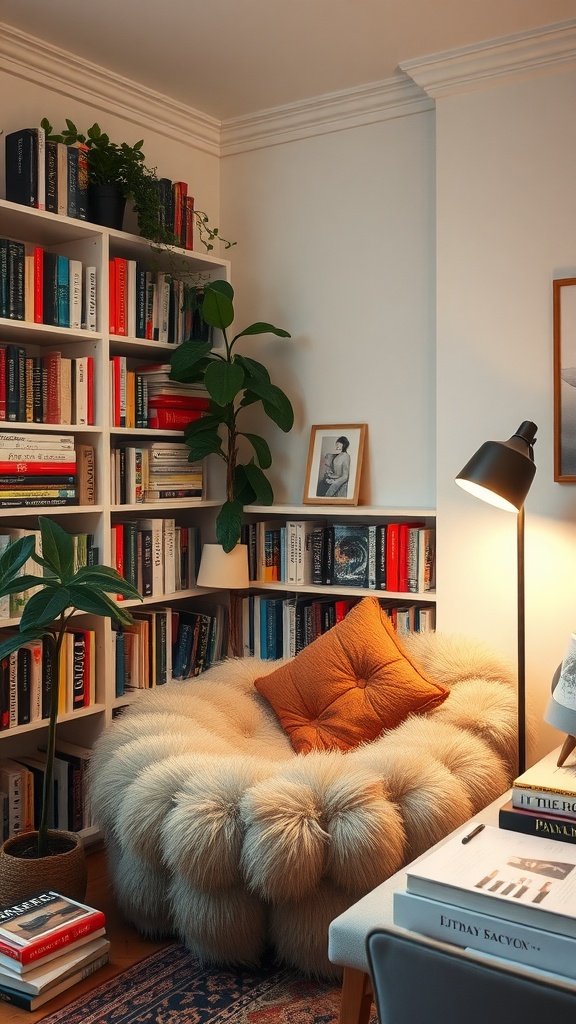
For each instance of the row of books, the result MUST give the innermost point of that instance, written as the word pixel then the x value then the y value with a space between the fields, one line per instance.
pixel 506 891
pixel 147 398
pixel 166 644
pixel 21 782
pixel 52 388
pixel 137 476
pixel 46 175
pixel 177 211
pixel 48 943
pixel 150 304
pixel 280 625
pixel 43 287
pixel 47 470
pixel 86 552
pixel 398 557
pixel 26 678
pixel 157 555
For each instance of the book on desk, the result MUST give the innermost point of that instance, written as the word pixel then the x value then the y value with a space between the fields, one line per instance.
pixel 503 892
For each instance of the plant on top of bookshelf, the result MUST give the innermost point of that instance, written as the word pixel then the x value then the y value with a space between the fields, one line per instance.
pixel 233 382
pixel 56 596
pixel 123 165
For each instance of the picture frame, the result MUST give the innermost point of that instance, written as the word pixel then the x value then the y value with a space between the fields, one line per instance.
pixel 334 464
pixel 564 317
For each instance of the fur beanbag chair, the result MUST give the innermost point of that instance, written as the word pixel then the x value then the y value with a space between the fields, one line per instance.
pixel 221 834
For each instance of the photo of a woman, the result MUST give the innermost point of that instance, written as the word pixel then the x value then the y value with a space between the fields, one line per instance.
pixel 334 464
pixel 335 471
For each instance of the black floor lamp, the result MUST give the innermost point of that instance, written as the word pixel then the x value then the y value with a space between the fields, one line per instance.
pixel 501 473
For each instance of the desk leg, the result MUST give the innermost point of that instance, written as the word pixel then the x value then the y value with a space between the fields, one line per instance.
pixel 356 999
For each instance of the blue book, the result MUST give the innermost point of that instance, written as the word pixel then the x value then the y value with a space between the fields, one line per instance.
pixel 63 291
pixel 120 664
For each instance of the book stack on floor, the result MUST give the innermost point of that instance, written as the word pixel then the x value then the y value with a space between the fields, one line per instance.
pixel 501 893
pixel 543 801
pixel 48 943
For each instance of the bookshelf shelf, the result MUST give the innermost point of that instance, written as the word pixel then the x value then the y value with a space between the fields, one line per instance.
pixel 95 246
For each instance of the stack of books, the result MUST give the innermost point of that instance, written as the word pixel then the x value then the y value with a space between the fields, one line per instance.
pixel 171 474
pixel 47 944
pixel 37 470
pixel 543 801
pixel 170 404
pixel 498 892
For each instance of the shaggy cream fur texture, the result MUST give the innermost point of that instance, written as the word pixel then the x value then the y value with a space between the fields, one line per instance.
pixel 220 834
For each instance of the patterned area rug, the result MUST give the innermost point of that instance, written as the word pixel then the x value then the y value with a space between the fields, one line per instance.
pixel 170 987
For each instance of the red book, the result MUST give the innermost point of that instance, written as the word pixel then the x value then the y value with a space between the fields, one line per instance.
pixel 403 536
pixel 38 285
pixel 90 390
pixel 118 531
pixel 2 382
pixel 179 191
pixel 38 468
pixel 52 364
pixel 121 293
pixel 178 402
pixel 172 419
pixel 189 222
pixel 112 297
pixel 116 389
pixel 392 565
pixel 35 928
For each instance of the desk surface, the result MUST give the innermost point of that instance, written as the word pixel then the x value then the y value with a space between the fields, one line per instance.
pixel 348 933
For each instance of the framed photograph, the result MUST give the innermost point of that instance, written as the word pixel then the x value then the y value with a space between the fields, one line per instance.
pixel 564 306
pixel 334 464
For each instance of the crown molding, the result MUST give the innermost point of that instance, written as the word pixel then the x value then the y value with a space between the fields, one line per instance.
pixel 334 112
pixel 27 57
pixel 543 50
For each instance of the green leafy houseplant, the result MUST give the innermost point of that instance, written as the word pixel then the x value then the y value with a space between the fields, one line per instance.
pixel 124 166
pixel 233 382
pixel 58 594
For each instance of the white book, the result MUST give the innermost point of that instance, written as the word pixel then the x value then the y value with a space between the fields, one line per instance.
pixel 80 391
pixel 90 301
pixel 547 787
pixel 510 875
pixel 156 526
pixel 472 929
pixel 25 442
pixel 46 975
pixel 75 292
pixel 65 390
pixel 169 548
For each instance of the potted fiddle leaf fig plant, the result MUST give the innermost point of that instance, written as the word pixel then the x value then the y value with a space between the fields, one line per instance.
pixel 57 595
pixel 233 382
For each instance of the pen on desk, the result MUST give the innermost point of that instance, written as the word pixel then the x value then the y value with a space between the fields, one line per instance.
pixel 473 833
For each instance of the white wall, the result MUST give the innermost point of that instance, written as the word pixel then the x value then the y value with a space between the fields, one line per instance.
pixel 506 212
pixel 336 244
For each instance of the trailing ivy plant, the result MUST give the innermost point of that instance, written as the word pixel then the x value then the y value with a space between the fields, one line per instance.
pixel 234 382
pixel 58 593
pixel 110 163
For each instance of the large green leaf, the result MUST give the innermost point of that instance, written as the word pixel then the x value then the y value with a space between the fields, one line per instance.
pixel 189 360
pixel 87 600
pixel 105 580
pixel 277 405
pixel 260 484
pixel 208 443
pixel 15 640
pixel 204 424
pixel 57 547
pixel 243 491
pixel 262 328
pixel 224 380
pixel 45 606
pixel 252 368
pixel 13 558
pixel 218 307
pixel 228 524
pixel 20 583
pixel 261 448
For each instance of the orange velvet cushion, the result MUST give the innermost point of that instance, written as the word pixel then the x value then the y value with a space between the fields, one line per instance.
pixel 349 685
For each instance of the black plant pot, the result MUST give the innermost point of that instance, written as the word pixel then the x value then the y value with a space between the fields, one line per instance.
pixel 106 206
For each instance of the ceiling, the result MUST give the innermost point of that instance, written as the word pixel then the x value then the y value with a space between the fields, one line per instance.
pixel 229 58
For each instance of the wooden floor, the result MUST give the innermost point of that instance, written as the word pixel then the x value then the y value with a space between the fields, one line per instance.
pixel 126 945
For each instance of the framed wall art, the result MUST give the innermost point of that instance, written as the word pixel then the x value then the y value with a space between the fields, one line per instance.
pixel 564 315
pixel 334 464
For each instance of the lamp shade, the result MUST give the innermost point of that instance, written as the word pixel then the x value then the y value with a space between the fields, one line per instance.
pixel 501 472
pixel 223 570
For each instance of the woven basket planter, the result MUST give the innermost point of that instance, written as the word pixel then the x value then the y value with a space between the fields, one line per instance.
pixel 22 874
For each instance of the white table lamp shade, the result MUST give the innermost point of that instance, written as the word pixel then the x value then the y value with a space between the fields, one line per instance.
pixel 226 570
